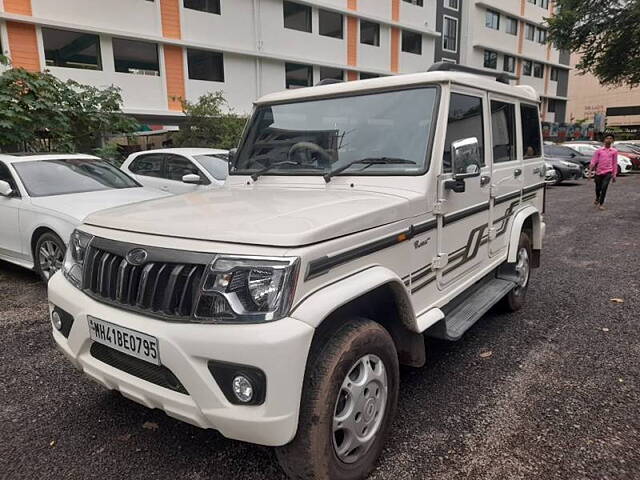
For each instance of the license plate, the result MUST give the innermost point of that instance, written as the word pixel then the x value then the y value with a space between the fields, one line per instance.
pixel 125 340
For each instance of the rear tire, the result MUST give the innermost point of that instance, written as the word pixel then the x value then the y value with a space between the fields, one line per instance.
pixel 349 399
pixel 514 300
pixel 48 255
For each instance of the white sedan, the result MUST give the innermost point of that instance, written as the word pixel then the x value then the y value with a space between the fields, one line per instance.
pixel 44 197
pixel 179 170
pixel 624 163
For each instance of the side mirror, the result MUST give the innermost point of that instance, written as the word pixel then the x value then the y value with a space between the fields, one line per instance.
pixel 573 155
pixel 232 155
pixel 192 179
pixel 5 189
pixel 465 158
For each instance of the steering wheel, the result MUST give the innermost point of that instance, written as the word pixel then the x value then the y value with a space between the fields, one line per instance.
pixel 313 147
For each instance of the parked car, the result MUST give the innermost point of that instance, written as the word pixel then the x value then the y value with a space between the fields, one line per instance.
pixel 588 149
pixel 179 170
pixel 551 176
pixel 565 170
pixel 632 152
pixel 567 154
pixel 357 218
pixel 43 197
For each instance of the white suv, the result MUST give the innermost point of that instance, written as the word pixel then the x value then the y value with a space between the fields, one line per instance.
pixel 357 218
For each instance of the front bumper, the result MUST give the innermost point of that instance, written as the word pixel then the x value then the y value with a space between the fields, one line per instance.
pixel 278 348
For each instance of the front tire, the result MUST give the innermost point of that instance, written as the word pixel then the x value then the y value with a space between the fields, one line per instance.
pixel 48 255
pixel 559 178
pixel 348 404
pixel 514 300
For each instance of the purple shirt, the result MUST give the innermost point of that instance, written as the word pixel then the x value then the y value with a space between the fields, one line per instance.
pixel 605 160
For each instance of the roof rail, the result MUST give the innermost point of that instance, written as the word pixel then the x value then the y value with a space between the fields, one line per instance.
pixel 328 81
pixel 454 67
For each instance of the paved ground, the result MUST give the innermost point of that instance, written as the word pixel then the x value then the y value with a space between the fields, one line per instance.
pixel 558 398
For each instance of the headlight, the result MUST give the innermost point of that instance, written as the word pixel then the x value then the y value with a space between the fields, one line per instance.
pixel 74 259
pixel 246 290
pixel 548 166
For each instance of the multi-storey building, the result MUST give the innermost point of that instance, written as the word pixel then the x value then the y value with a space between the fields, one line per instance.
pixel 510 36
pixel 158 51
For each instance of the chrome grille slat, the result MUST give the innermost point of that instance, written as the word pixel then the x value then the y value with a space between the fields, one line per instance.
pixel 162 287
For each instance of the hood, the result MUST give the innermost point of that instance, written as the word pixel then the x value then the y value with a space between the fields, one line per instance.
pixel 79 205
pixel 280 216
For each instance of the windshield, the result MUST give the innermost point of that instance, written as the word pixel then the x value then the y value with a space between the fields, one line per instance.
pixel 313 137
pixel 42 178
pixel 217 164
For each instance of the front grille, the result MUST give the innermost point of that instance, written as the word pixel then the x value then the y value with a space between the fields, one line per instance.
pixel 166 286
pixel 156 374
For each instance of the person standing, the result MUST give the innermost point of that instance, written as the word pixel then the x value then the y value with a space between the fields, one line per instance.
pixel 605 165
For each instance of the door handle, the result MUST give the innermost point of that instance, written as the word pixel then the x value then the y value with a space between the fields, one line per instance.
pixel 517 172
pixel 485 180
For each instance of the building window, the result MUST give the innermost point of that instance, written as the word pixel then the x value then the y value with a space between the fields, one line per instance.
pixel 449 60
pixel 414 2
pixel 465 120
pixel 411 42
pixel 530 32
pixel 509 64
pixel 492 20
pixel 490 59
pixel 133 56
pixel 551 105
pixel 370 33
pixel 452 4
pixel 330 24
pixel 544 4
pixel 450 34
pixel 531 143
pixel 554 74
pixel 332 73
pixel 63 48
pixel 209 6
pixel 527 67
pixel 541 35
pixel 503 128
pixel 367 76
pixel 538 70
pixel 512 26
pixel 298 75
pixel 205 65
pixel 296 16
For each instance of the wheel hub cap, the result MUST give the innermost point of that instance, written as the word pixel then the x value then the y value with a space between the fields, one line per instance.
pixel 522 268
pixel 50 258
pixel 360 408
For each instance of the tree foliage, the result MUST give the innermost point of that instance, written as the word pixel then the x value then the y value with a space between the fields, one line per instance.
pixel 209 123
pixel 39 112
pixel 604 33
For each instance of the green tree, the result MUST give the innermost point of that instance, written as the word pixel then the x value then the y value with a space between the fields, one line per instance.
pixel 604 33
pixel 209 122
pixel 39 112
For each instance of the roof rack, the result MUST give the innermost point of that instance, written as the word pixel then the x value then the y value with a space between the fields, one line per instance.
pixel 454 67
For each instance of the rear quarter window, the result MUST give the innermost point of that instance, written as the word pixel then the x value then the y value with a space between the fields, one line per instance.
pixel 150 165
pixel 531 141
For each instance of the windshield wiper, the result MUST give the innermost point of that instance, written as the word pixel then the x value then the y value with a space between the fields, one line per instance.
pixel 369 161
pixel 259 173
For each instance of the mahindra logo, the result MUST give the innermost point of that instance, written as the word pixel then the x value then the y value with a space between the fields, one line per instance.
pixel 137 256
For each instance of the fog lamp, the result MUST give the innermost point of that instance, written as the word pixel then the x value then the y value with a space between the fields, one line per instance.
pixel 242 388
pixel 56 320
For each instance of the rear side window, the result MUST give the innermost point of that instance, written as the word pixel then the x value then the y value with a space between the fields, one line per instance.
pixel 465 121
pixel 150 165
pixel 503 127
pixel 531 143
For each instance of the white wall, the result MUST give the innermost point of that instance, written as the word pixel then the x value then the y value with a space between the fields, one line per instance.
pixel 410 62
pixel 371 57
pixel 239 87
pixel 126 15
pixel 233 28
